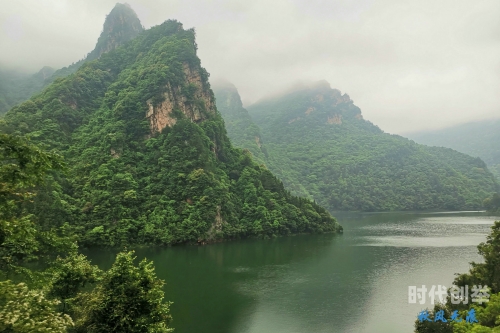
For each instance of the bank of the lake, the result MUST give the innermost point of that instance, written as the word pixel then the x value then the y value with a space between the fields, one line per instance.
pixel 355 282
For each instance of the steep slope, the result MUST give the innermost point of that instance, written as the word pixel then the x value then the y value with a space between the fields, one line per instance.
pixel 121 25
pixel 148 156
pixel 478 139
pixel 16 87
pixel 321 147
pixel 244 133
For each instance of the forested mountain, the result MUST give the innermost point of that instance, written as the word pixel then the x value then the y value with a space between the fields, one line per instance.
pixel 239 125
pixel 121 25
pixel 320 146
pixel 148 159
pixel 16 87
pixel 478 139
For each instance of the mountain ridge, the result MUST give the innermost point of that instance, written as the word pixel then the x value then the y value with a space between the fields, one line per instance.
pixel 321 147
pixel 241 130
pixel 478 138
pixel 149 160
pixel 120 26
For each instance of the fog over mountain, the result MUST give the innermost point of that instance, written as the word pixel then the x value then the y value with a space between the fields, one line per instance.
pixel 409 65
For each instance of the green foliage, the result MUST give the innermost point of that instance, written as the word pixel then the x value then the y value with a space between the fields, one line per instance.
pixel 475 138
pixel 484 274
pixel 25 311
pixel 23 165
pixel 492 204
pixel 130 184
pixel 69 276
pixel 242 131
pixel 127 299
pixel 435 326
pixel 318 144
pixel 487 273
pixel 16 87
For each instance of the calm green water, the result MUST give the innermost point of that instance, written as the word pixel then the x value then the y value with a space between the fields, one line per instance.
pixel 356 282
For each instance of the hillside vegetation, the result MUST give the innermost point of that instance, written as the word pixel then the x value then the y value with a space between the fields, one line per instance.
pixel 478 139
pixel 319 145
pixel 148 158
pixel 121 25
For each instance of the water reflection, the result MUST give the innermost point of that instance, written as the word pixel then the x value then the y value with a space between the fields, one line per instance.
pixel 357 282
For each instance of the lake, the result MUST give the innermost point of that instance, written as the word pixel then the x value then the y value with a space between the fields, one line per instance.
pixel 355 282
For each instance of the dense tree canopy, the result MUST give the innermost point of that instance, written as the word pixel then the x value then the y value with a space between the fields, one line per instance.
pixel 16 87
pixel 483 274
pixel 318 144
pixel 492 203
pixel 242 131
pixel 23 166
pixel 121 25
pixel 126 298
pixel 478 139
pixel 130 182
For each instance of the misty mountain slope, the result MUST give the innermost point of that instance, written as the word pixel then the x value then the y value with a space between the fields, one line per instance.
pixel 16 87
pixel 478 139
pixel 320 146
pixel 121 25
pixel 148 156
pixel 244 133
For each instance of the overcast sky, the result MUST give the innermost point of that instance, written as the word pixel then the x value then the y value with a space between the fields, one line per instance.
pixel 408 64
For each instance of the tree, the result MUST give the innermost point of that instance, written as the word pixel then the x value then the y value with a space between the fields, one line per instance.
pixel 430 325
pixel 25 311
pixel 487 273
pixel 23 166
pixel 69 276
pixel 492 203
pixel 484 274
pixel 128 299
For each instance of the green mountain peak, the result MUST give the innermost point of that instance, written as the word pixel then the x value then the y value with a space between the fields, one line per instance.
pixel 317 142
pixel 120 26
pixel 148 157
pixel 315 104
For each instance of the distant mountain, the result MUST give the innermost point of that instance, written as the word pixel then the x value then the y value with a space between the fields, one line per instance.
pixel 478 139
pixel 16 87
pixel 320 146
pixel 148 158
pixel 121 25
pixel 240 126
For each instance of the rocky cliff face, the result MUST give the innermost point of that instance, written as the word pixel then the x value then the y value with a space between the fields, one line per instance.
pixel 316 104
pixel 148 156
pixel 320 146
pixel 197 107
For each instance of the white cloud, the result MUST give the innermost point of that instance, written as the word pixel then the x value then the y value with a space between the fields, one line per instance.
pixel 408 64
